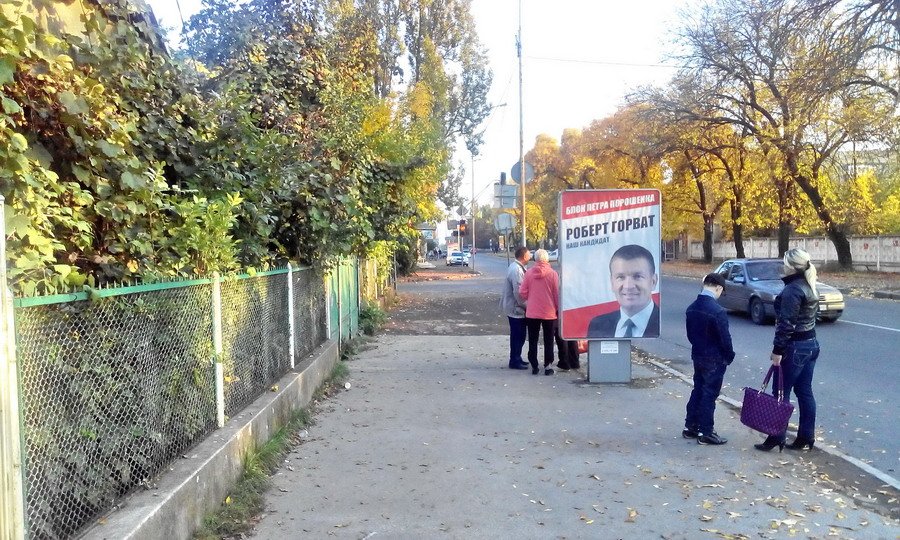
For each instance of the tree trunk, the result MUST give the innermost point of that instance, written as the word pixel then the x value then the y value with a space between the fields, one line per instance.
pixel 834 230
pixel 707 215
pixel 708 238
pixel 841 245
pixel 737 229
pixel 784 236
pixel 784 226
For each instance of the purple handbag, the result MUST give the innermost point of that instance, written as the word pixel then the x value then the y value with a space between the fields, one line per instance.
pixel 764 412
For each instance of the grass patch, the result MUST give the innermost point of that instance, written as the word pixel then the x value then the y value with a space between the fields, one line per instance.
pixel 246 501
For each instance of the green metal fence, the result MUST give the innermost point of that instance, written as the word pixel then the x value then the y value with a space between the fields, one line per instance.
pixel 118 383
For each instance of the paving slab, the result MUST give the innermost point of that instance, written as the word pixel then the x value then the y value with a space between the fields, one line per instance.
pixel 436 439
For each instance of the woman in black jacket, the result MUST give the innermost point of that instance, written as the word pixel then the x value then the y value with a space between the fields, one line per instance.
pixel 795 346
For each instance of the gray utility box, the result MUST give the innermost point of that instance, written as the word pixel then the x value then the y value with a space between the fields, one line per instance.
pixel 609 361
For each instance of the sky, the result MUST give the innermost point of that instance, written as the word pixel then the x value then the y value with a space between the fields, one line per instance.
pixel 580 59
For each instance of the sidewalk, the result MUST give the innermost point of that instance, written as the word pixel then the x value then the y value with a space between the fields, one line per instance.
pixel 435 438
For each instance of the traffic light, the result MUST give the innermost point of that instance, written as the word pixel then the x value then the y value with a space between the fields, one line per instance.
pixel 462 226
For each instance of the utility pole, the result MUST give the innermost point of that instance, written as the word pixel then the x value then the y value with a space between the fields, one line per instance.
pixel 521 129
pixel 473 208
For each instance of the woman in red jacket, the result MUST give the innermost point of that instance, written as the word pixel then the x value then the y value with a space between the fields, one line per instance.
pixel 540 289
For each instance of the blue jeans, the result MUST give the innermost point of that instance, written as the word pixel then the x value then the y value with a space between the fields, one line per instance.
pixel 798 364
pixel 701 406
pixel 517 335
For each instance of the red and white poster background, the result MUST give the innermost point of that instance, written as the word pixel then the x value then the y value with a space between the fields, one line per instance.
pixel 593 225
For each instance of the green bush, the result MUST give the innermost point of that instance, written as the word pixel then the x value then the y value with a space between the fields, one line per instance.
pixel 371 318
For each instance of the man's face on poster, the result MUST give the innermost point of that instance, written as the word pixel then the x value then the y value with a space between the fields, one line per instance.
pixel 632 283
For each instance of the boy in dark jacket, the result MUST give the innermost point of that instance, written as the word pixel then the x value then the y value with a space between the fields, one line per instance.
pixel 712 352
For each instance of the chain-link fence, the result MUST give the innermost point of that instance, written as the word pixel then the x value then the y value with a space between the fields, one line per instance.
pixel 115 388
pixel 310 314
pixel 255 338
pixel 111 392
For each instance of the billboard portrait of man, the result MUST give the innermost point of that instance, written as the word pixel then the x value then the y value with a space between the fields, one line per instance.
pixel 609 263
pixel 633 279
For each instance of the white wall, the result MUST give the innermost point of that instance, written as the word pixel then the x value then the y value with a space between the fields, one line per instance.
pixel 880 253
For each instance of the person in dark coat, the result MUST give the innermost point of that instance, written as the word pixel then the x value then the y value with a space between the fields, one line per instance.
pixel 567 351
pixel 795 347
pixel 711 350
pixel 513 306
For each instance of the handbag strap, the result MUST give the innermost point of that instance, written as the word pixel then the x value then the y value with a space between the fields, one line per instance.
pixel 780 393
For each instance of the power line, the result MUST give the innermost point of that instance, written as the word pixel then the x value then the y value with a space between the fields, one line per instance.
pixel 600 62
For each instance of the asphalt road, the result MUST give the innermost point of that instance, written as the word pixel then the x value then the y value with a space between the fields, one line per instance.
pixel 856 376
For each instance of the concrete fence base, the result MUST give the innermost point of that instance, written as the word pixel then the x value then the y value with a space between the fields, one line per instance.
pixel 199 483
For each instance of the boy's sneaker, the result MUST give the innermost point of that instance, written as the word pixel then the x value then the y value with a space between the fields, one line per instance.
pixel 712 438
pixel 689 433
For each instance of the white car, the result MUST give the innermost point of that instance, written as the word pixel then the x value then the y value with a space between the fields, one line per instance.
pixel 457 257
pixel 554 255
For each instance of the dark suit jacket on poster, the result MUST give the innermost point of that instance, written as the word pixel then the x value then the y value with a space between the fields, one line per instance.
pixel 605 325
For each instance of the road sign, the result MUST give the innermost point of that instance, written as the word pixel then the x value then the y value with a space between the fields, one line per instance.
pixel 505 196
pixel 529 172
pixel 505 223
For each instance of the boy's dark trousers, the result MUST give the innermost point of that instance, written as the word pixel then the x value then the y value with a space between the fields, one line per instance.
pixel 701 406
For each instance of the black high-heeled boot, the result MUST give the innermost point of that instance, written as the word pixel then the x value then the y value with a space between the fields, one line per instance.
pixel 802 443
pixel 770 443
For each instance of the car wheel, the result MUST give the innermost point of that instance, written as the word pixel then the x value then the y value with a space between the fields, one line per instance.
pixel 757 311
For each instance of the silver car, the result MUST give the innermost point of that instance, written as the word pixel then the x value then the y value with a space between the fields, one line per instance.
pixel 751 286
pixel 457 257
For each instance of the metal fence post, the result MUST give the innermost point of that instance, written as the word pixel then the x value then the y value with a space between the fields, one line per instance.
pixel 360 286
pixel 12 495
pixel 291 337
pixel 217 347
pixel 340 303
pixel 327 280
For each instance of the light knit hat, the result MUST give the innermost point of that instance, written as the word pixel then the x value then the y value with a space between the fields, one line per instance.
pixel 798 260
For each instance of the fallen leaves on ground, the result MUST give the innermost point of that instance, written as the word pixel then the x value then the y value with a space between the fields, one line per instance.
pixel 726 536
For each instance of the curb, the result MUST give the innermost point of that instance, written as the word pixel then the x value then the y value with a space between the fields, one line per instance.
pixel 196 485
pixel 890 295
pixel 737 405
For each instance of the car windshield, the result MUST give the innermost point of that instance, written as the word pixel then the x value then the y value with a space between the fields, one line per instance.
pixel 764 271
pixel 456 254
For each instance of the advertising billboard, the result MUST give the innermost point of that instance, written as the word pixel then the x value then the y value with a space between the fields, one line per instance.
pixel 609 244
